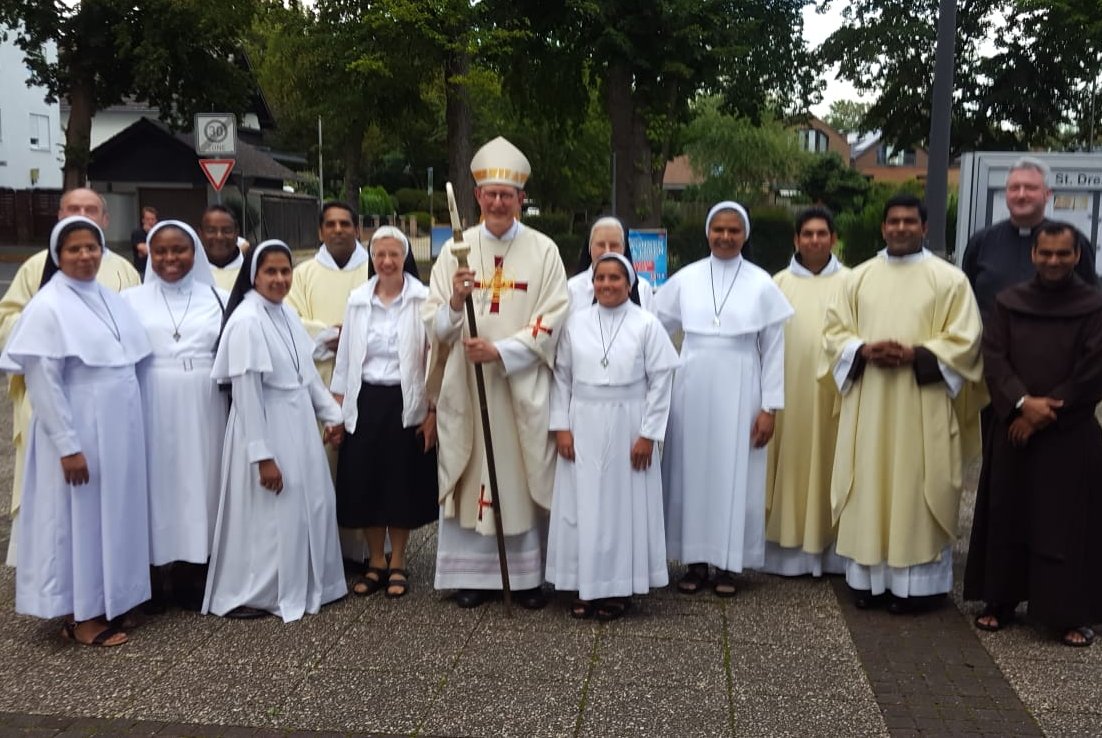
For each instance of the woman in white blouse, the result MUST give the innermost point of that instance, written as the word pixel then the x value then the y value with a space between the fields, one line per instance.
pixel 386 468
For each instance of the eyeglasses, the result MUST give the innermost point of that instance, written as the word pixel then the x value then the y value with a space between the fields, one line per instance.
pixel 503 195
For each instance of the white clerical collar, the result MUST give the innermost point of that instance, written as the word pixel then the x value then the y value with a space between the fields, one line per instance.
pixel 799 270
pixel 509 235
pixel 725 264
pixel 906 258
pixel 358 258
pixel 235 263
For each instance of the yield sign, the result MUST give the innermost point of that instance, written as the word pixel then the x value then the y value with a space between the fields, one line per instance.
pixel 217 171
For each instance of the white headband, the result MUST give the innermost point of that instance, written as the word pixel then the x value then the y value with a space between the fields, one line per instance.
pixel 719 207
pixel 620 258
pixel 200 267
pixel 388 232
pixel 259 250
pixel 64 223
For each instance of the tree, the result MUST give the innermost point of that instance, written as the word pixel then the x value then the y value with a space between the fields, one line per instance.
pixel 828 180
pixel 739 159
pixel 848 116
pixel 651 60
pixel 160 51
pixel 1025 69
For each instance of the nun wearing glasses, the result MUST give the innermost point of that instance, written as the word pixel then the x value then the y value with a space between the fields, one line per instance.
pixel 275 547
pixel 83 543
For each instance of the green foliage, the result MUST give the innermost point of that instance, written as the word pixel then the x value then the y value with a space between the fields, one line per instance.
pixel 1024 70
pixel 552 223
pixel 423 219
pixel 740 159
pixel 771 232
pixel 409 200
pixel 848 116
pixel 828 180
pixel 376 201
pixel 651 61
pixel 859 231
pixel 159 51
pixel 686 243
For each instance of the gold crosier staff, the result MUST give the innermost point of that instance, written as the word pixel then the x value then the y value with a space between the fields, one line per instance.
pixel 460 250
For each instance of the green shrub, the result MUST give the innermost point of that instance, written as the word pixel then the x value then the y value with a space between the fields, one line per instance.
pixel 375 201
pixel 424 222
pixel 685 244
pixel 411 200
pixel 551 223
pixel 771 231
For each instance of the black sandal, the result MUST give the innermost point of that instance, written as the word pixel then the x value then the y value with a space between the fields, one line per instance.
pixel 363 585
pixel 724 584
pixel 581 609
pixel 612 608
pixel 402 585
pixel 1085 631
pixel 1003 615
pixel 69 633
pixel 695 579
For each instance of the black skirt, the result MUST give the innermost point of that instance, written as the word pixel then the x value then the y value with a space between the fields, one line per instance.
pixel 384 476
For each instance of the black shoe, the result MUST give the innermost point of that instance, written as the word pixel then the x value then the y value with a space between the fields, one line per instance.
pixel 530 599
pixel 244 612
pixel 915 605
pixel 468 598
pixel 864 599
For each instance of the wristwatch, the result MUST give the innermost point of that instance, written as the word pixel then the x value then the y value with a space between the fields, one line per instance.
pixel 1020 402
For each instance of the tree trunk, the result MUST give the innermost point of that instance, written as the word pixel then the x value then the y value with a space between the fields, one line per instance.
pixel 457 64
pixel 353 160
pixel 78 134
pixel 636 199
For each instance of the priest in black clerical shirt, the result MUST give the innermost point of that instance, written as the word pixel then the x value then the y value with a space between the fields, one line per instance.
pixel 999 256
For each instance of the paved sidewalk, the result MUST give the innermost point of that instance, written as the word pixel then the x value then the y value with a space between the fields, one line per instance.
pixel 783 658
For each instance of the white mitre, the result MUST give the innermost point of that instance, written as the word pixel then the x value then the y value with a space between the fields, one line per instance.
pixel 499 162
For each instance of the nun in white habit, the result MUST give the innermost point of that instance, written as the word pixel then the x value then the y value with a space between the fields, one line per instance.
pixel 83 544
pixel 609 404
pixel 729 385
pixel 185 413
pixel 605 236
pixel 275 547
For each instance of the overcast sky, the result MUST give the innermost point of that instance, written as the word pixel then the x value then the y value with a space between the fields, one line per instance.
pixel 816 28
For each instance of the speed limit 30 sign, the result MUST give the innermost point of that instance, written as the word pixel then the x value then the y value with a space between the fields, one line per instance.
pixel 215 134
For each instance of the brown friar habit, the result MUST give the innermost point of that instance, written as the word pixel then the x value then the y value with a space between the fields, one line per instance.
pixel 1039 507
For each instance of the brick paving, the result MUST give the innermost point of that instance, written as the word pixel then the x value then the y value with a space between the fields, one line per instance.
pixel 930 674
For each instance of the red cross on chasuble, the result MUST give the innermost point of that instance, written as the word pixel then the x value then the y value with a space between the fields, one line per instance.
pixel 538 327
pixel 498 284
pixel 483 502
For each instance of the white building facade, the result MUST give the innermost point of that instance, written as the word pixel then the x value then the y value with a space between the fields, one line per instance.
pixel 31 139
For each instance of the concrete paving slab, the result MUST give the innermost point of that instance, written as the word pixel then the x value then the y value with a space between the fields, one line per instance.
pixel 472 705
pixel 202 690
pixel 253 642
pixel 360 701
pixel 394 645
pixel 657 662
pixel 758 713
pixel 784 671
pixel 1062 687
pixel 635 709
pixel 527 656
pixel 99 686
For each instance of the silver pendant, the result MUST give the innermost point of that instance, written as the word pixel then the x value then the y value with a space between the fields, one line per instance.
pixel 715 321
pixel 176 336
pixel 604 362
